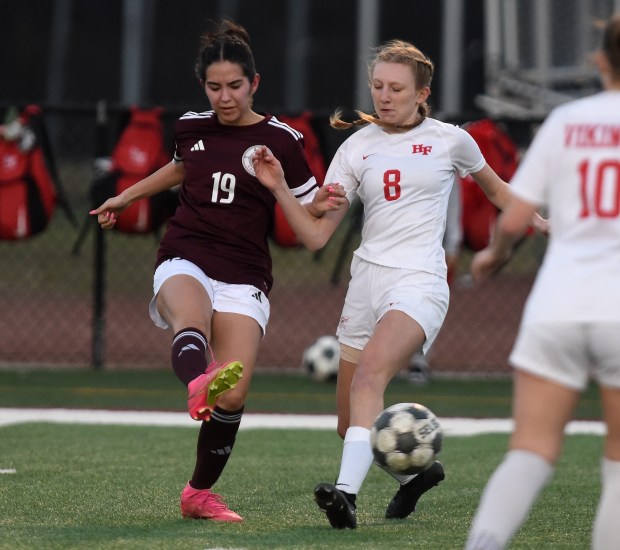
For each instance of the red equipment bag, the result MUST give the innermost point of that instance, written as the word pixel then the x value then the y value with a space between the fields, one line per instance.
pixel 478 213
pixel 28 194
pixel 139 152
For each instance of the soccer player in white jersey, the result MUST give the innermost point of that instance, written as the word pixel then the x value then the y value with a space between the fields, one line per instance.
pixel 571 323
pixel 401 165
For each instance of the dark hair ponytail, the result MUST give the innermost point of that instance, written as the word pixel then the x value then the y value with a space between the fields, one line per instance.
pixel 227 41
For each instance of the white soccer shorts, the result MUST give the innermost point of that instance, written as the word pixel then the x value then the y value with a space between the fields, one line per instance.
pixel 375 289
pixel 570 353
pixel 229 298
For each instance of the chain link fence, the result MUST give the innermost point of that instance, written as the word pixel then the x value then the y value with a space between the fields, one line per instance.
pixel 75 296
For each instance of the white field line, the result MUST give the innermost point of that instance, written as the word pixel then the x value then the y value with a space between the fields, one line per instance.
pixel 451 426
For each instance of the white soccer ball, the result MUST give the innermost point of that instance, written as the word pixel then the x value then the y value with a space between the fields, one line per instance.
pixel 406 438
pixel 320 359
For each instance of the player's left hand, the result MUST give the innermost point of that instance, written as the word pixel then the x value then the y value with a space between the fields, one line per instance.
pixel 330 196
pixel 268 168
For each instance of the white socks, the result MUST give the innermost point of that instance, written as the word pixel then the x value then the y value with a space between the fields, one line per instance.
pixel 605 534
pixel 512 490
pixel 507 499
pixel 357 458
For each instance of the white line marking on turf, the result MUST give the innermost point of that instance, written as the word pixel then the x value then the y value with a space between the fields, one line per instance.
pixel 8 471
pixel 451 426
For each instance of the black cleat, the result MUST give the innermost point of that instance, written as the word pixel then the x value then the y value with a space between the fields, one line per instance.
pixel 339 507
pixel 407 496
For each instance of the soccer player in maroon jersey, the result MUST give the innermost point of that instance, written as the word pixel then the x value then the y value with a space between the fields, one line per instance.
pixel 213 269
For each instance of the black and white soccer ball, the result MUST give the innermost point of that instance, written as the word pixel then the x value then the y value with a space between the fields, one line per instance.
pixel 406 438
pixel 321 358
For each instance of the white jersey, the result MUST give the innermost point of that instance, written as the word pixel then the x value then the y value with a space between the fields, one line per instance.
pixel 404 181
pixel 573 169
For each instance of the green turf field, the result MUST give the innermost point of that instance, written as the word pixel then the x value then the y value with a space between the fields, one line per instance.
pixel 109 487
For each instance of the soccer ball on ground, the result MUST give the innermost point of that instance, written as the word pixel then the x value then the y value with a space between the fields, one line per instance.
pixel 406 438
pixel 320 359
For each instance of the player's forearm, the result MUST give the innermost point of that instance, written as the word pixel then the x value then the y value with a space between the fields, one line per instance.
pixel 313 232
pixel 495 189
pixel 500 195
pixel 166 177
pixel 511 226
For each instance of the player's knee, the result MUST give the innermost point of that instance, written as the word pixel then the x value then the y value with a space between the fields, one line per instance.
pixel 232 400
pixel 369 380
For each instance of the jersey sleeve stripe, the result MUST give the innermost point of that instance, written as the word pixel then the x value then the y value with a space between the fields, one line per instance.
pixel 276 123
pixel 306 188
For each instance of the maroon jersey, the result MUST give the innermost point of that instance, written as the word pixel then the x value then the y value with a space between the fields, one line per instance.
pixel 225 214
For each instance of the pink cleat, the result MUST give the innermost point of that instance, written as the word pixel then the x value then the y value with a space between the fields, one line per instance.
pixel 206 388
pixel 204 504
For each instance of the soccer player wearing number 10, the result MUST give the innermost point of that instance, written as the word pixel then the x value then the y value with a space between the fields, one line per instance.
pixel 570 329
pixel 402 166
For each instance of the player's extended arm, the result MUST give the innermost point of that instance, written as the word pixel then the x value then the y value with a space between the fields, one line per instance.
pixel 511 225
pixel 498 192
pixel 166 177
pixel 311 230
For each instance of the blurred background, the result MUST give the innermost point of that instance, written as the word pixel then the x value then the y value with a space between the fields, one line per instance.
pixel 72 296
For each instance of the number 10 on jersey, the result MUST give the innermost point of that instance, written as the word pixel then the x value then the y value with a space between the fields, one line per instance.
pixel 600 188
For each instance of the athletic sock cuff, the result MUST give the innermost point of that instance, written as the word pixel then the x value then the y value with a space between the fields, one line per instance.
pixel 531 464
pixel 229 417
pixel 191 331
pixel 357 433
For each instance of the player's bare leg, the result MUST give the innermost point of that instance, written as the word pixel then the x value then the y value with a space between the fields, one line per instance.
pixel 395 339
pixel 534 448
pixel 233 335
pixel 185 305
pixel 538 427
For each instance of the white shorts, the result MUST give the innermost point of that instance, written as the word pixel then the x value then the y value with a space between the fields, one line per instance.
pixel 375 289
pixel 230 298
pixel 570 353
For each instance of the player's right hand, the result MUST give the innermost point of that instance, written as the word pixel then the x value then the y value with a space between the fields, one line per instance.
pixel 268 169
pixel 485 263
pixel 107 212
